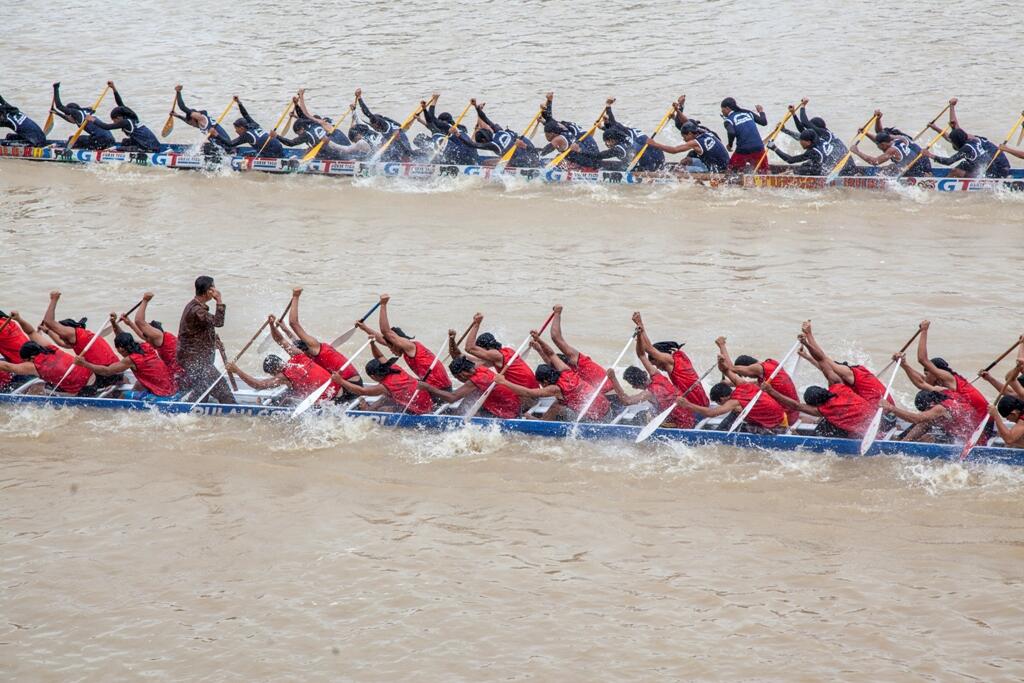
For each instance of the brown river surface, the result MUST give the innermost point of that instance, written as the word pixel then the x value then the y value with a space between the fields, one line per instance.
pixel 179 548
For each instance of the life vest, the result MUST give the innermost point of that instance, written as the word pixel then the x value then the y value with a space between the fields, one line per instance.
pixel 152 373
pixel 712 152
pixel 592 373
pixel 11 341
pixel 576 393
pixel 331 360
pixel 766 413
pixel 502 401
pixel 419 363
pixel 867 385
pixel 168 353
pixel 957 422
pixel 974 398
pixel 744 128
pixel 783 384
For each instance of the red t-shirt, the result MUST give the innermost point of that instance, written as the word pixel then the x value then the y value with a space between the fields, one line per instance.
pixel 783 384
pixel 592 373
pixel 168 353
pixel 51 368
pixel 519 372
pixel 576 393
pixel 684 376
pixel 331 360
pixel 974 398
pixel 419 363
pixel 401 386
pixel 848 410
pixel 867 385
pixel 665 393
pixel 11 341
pixel 959 423
pixel 502 401
pixel 99 353
pixel 152 372
pixel 766 412
pixel 305 377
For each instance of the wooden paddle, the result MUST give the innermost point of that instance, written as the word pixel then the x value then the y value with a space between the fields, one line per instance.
pixel 269 340
pixel 345 336
pixel 71 367
pixel 598 389
pixel 661 124
pixel 902 350
pixel 310 400
pixel 976 435
pixel 287 113
pixel 774 134
pixel 750 406
pixel 920 154
pixel 660 418
pixel 405 126
pixel 315 149
pixel 169 125
pixel 224 372
pixel 455 126
pixel 437 356
pixel 932 122
pixel 562 155
pixel 996 362
pixel 519 351
pixel 48 125
pixel 1006 141
pixel 871 433
pixel 507 156
pixel 860 136
pixel 85 118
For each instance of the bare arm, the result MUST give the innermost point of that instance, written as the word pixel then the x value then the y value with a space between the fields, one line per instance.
pixel 624 398
pixel 945 377
pixel 542 392
pixel 646 344
pixel 293 321
pixel 105 370
pixel 492 356
pixel 559 339
pixel 268 383
pixel 934 413
pixel 918 380
pixel 24 368
pixel 66 334
pixel 453 345
pixel 275 332
pixel 787 402
pixel 143 328
pixel 822 359
pixel 729 406
pixel 404 345
pixel 448 396
pixel 356 390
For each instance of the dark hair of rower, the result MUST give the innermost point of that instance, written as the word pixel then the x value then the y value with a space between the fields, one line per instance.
pixel 358 132
pixel 745 361
pixel 487 341
pixel 462 367
pixel 203 284
pixel 1009 405
pixel 883 138
pixel 30 350
pixel 925 399
pixel 401 333
pixel 446 117
pixel 720 393
pixel 941 364
pixel 483 136
pixel 68 322
pixel 667 346
pixel 301 345
pixel 958 138
pixel 637 378
pixel 378 370
pixel 818 122
pixel 300 124
pixel 241 125
pixel 122 113
pixel 126 344
pixel 809 136
pixel 816 396
pixel 546 374
pixel 157 324
pixel 273 364
pixel 729 103
pixel 689 128
pixel 552 128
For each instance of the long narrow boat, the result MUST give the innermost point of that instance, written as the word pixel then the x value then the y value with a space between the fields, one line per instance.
pixel 618 432
pixel 184 157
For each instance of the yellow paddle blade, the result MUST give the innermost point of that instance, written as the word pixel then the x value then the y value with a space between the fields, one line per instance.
pixel 558 159
pixel 858 138
pixel 287 111
pixel 661 124
pixel 1006 140
pixel 168 127
pixel 315 149
pixel 515 145
pixel 48 126
pixel 74 138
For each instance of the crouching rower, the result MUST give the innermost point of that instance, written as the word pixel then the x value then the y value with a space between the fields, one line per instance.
pixel 843 413
pixel 201 119
pixel 95 137
pixel 299 373
pixel 811 160
pixel 395 387
pixel 905 156
pixel 310 133
pixel 123 118
pixel 73 334
pixel 833 148
pixel 733 397
pixel 560 382
pixel 655 388
pixel 939 376
pixel 448 148
pixel 153 333
pixel 249 132
pixel 43 359
pixel 490 136
pixel 561 135
pixel 589 370
pixel 11 340
pixel 418 357
pixel 385 128
pixel 940 418
pixel 974 155
pixel 150 371
pixel 491 351
pixel 322 353
pixel 700 144
pixel 859 378
pixel 502 402
pixel 668 356
pixel 751 368
pixel 652 159
pixel 25 129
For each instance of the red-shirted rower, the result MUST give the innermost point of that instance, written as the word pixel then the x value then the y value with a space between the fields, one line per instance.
pixel 843 413
pixel 494 353
pixel 395 387
pixel 583 364
pixel 72 334
pixel 42 359
pixel 153 333
pixel 322 353
pixel 766 415
pixel 863 382
pixel 751 368
pixel 668 356
pixel 502 401
pixel 149 369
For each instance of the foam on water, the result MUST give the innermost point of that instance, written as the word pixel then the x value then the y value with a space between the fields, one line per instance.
pixel 33 422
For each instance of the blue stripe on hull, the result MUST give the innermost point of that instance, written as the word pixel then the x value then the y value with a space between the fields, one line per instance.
pixel 843 447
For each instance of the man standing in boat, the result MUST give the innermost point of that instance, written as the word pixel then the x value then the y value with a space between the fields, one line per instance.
pixel 741 127
pixel 197 343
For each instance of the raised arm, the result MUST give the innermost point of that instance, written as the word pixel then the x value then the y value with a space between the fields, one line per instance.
pixel 559 340
pixel 945 377
pixel 143 328
pixel 828 367
pixel 66 334
pixel 645 342
pixel 492 356
pixel 407 347
pixel 916 378
pixel 181 102
pixel 117 95
pixel 279 338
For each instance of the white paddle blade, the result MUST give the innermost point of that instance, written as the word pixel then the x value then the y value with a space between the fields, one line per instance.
pixel 308 402
pixel 654 424
pixel 872 432
pixel 975 437
pixel 746 411
pixel 478 405
pixel 344 337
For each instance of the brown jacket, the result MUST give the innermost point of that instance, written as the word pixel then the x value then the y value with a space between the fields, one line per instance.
pixel 197 336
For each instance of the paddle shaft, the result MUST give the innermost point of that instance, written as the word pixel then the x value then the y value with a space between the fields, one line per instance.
pixel 85 118
pixel 108 327
pixel 315 149
pixel 661 124
pixel 311 400
pixel 562 155
pixel 213 129
pixel 518 352
pixel 871 433
pixel 224 372
pixel 455 126
pixel 774 134
pixel 920 154
pixel 902 349
pixel 73 366
pixel 405 125
pixel 996 362
pixel 932 122
pixel 659 419
pixel 849 152
pixel 598 389
pixel 345 336
pixel 1006 141
pixel 977 433
pixel 750 406
pixel 515 145
pixel 288 111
